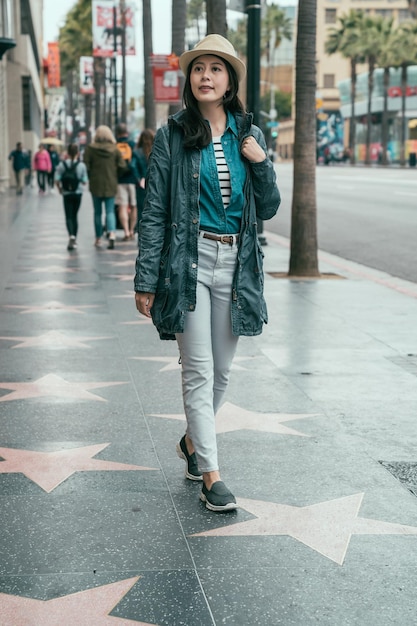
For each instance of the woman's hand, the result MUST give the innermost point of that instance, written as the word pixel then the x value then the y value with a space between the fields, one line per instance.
pixel 144 302
pixel 252 151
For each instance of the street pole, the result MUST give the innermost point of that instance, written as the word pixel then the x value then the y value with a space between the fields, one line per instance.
pixel 116 117
pixel 123 24
pixel 253 55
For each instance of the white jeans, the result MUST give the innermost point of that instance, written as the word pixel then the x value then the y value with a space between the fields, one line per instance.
pixel 207 348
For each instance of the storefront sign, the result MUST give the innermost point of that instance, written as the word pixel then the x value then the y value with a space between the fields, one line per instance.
pixel 54 74
pixel 166 84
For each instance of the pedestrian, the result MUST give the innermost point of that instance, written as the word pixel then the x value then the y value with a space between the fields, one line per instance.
pixel 70 178
pixel 55 160
pixel 142 153
pixel 199 268
pixel 43 166
pixel 20 163
pixel 104 162
pixel 126 188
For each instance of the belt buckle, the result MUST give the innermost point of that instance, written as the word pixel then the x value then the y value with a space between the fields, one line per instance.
pixel 226 239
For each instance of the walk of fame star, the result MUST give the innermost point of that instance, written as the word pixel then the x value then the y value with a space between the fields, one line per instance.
pixel 85 608
pixel 172 361
pixel 232 417
pixel 50 469
pixel 326 527
pixel 52 385
pixel 53 339
pixel 51 306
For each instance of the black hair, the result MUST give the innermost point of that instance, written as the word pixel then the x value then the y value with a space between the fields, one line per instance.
pixel 197 132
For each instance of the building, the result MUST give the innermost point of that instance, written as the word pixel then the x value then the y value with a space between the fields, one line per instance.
pixel 333 72
pixel 21 93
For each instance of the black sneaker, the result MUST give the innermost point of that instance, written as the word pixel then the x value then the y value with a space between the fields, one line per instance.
pixel 218 498
pixel 191 469
pixel 111 244
pixel 72 244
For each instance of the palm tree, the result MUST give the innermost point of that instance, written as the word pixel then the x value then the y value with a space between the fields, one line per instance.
pixel 344 40
pixel 195 11
pixel 303 257
pixel 371 45
pixel 149 102
pixel 386 61
pixel 75 40
pixel 216 17
pixel 275 27
pixel 179 22
pixel 404 53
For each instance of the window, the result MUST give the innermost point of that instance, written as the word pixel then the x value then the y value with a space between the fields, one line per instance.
pixel 26 99
pixel 403 15
pixel 328 81
pixel 384 12
pixel 330 16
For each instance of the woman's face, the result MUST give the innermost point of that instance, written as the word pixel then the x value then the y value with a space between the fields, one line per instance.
pixel 209 79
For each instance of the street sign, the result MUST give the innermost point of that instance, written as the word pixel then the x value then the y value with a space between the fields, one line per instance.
pixel 272 124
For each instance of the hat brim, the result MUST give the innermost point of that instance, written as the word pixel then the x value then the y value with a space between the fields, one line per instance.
pixel 188 57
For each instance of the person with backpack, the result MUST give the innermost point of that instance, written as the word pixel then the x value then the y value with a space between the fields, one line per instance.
pixel 126 184
pixel 104 164
pixel 70 177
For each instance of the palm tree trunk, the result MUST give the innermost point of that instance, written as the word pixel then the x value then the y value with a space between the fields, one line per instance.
pixel 150 116
pixel 352 126
pixel 179 23
pixel 303 257
pixel 371 66
pixel 384 134
pixel 403 119
pixel 216 17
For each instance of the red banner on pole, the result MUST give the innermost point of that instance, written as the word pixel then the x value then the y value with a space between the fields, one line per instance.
pixel 165 71
pixel 105 30
pixel 54 73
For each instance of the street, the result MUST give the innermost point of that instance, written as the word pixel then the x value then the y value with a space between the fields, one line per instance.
pixel 367 215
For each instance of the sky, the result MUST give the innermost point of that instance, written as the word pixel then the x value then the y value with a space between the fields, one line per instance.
pixel 55 11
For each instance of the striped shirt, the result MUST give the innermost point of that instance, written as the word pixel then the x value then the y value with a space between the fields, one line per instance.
pixel 222 171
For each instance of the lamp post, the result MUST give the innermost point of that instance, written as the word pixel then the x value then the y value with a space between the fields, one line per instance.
pixel 116 117
pixel 253 55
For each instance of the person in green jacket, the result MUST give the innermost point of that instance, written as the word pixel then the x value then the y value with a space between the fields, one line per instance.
pixel 104 164
pixel 199 271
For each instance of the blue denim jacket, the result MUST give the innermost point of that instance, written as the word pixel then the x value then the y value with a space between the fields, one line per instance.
pixel 213 215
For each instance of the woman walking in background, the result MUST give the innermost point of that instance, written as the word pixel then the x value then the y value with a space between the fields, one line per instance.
pixel 199 271
pixel 43 166
pixel 70 177
pixel 104 163
pixel 142 153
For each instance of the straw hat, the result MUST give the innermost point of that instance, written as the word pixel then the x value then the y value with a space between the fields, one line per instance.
pixel 220 47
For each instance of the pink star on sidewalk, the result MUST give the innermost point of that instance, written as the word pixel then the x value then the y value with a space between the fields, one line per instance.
pixel 51 306
pixel 52 385
pixel 85 608
pixel 325 527
pixel 53 284
pixel 232 417
pixel 50 469
pixel 52 339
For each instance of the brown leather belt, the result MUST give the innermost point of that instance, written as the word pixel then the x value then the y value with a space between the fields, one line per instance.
pixel 230 239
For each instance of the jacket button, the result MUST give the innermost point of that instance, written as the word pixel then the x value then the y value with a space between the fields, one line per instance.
pixel 192 307
pixel 195 220
pixel 195 175
pixel 194 265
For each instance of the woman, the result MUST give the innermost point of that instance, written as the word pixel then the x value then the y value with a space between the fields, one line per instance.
pixel 199 268
pixel 70 176
pixel 141 154
pixel 104 163
pixel 43 166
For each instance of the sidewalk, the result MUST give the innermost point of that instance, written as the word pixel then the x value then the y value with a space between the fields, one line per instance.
pixel 317 440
